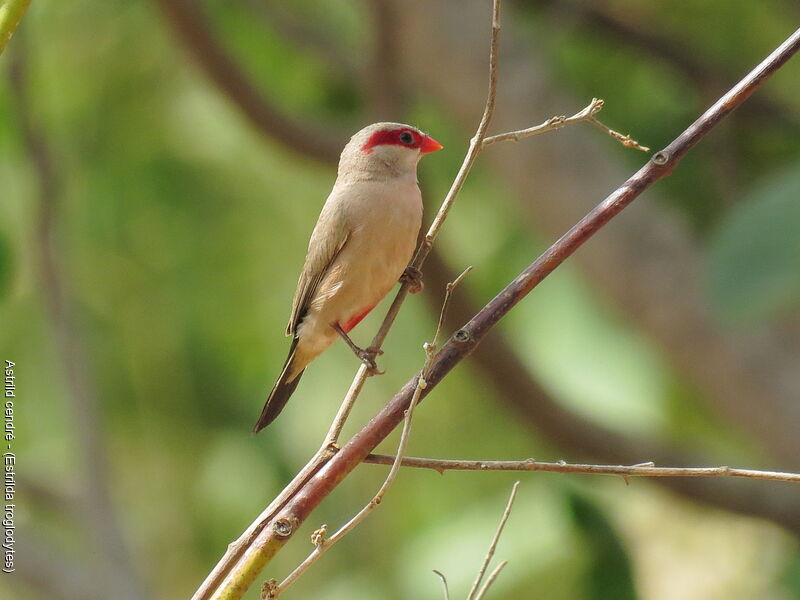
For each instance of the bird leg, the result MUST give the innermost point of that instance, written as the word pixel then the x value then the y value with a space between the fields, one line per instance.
pixel 367 355
pixel 413 277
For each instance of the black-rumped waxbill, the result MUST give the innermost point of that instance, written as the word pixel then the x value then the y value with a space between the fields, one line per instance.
pixel 360 247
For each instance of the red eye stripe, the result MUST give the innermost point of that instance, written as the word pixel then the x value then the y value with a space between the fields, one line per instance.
pixel 391 137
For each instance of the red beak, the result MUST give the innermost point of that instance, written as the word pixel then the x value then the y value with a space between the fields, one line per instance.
pixel 429 145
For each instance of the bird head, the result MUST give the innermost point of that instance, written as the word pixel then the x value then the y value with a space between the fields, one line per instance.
pixel 386 150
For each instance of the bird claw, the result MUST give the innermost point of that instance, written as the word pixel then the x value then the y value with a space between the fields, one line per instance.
pixel 413 277
pixel 368 356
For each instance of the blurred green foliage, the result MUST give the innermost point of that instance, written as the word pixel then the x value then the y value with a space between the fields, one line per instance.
pixel 609 575
pixel 181 232
pixel 755 253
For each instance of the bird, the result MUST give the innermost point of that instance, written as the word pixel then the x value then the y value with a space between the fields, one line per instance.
pixel 360 247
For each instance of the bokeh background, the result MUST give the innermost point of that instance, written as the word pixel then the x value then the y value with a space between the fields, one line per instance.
pixel 162 165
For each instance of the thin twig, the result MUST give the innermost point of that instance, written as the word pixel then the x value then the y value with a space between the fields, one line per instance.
pixel 490 580
pixel 444 584
pixel 625 140
pixel 322 544
pixel 554 123
pixel 550 124
pixel 492 547
pixel 448 294
pixel 639 470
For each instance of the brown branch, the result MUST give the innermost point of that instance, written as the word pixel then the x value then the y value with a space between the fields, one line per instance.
pixel 197 37
pixel 464 341
pixel 639 470
pixel 322 544
pixel 235 549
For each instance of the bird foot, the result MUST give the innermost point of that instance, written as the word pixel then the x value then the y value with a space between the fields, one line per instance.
pixel 367 356
pixel 413 277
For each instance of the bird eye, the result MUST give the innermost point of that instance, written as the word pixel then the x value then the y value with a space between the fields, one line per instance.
pixel 406 137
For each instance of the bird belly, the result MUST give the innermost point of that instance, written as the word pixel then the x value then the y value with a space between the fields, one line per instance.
pixel 368 273
pixel 364 272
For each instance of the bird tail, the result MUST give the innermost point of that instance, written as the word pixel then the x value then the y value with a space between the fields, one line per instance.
pixel 281 391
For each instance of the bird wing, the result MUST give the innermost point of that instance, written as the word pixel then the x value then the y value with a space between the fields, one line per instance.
pixel 329 237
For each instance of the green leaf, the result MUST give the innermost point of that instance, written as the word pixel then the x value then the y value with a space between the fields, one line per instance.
pixel 609 575
pixel 754 256
pixel 791 576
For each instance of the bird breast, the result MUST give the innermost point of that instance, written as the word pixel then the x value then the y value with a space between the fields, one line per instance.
pixel 384 220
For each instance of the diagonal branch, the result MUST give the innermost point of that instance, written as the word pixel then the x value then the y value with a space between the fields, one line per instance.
pixel 276 533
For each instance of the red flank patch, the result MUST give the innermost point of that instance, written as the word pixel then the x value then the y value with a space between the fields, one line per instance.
pixel 355 320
